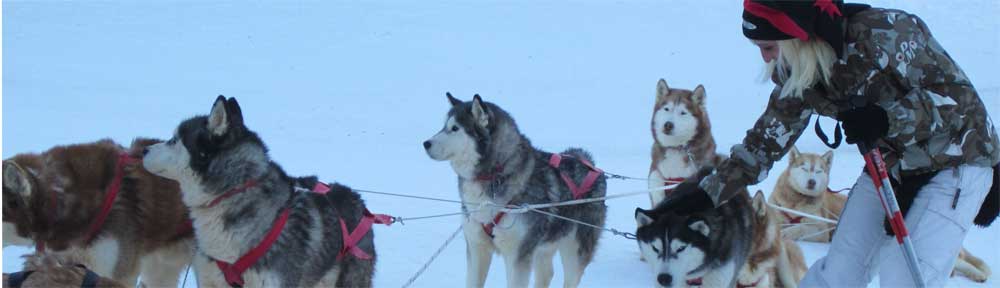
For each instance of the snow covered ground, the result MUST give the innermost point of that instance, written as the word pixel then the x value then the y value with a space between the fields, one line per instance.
pixel 349 90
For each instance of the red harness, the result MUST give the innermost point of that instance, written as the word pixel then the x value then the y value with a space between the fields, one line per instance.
pixel 234 272
pixel 111 194
pixel 672 181
pixel 576 190
pixel 109 199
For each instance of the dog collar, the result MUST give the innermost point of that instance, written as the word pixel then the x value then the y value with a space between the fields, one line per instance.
pixel 237 190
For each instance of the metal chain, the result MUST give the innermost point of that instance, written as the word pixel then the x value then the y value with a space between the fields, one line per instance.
pixel 433 257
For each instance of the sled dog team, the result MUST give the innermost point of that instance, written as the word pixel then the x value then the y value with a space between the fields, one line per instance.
pixel 100 214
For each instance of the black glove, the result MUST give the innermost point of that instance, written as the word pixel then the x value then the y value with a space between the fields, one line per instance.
pixel 864 124
pixel 688 197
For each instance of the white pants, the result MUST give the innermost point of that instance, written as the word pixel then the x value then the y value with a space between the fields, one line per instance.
pixel 860 247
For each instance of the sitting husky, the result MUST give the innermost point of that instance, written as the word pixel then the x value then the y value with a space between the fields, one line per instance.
pixel 682 137
pixel 803 187
pixel 774 260
pixel 253 224
pixel 495 163
pixel 96 202
pixel 706 248
pixel 57 270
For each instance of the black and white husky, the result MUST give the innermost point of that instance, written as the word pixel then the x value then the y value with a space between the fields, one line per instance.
pixel 705 249
pixel 237 197
pixel 496 164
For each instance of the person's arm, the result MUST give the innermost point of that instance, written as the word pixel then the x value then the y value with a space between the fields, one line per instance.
pixel 771 137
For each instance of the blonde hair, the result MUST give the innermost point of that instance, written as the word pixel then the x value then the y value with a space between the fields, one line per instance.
pixel 800 64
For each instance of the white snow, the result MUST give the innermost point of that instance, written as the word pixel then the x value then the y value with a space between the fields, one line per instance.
pixel 349 90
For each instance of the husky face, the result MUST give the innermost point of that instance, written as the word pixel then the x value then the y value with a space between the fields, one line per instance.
pixel 809 173
pixel 674 245
pixel 18 185
pixel 205 147
pixel 679 115
pixel 459 141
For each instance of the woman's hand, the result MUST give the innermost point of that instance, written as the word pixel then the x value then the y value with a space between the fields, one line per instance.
pixel 865 124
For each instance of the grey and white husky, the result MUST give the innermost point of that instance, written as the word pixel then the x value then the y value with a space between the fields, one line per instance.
pixel 237 195
pixel 705 249
pixel 495 163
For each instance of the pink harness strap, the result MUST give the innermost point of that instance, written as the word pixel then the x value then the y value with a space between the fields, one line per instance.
pixel 110 195
pixel 588 181
pixel 234 272
pixel 352 238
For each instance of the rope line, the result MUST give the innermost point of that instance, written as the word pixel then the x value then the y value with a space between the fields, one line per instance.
pixel 433 257
pixel 612 230
pixel 800 213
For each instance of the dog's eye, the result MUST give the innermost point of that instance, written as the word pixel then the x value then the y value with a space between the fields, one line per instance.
pixel 684 113
pixel 681 249
pixel 454 128
pixel 656 250
pixel 666 108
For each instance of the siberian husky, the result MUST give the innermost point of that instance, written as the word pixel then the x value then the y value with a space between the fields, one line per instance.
pixel 707 248
pixel 496 164
pixel 242 202
pixel 96 202
pixel 682 137
pixel 803 187
pixel 774 261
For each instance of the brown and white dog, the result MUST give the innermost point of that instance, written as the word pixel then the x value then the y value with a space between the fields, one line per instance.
pixel 55 200
pixel 57 270
pixel 682 137
pixel 774 261
pixel 803 187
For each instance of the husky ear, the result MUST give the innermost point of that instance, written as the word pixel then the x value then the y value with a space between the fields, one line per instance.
pixel 480 112
pixel 218 121
pixel 643 217
pixel 792 155
pixel 828 158
pixel 662 90
pixel 454 101
pixel 698 96
pixel 700 226
pixel 234 112
pixel 16 178
pixel 759 203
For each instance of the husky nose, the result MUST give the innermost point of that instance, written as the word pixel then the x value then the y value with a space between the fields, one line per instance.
pixel 811 184
pixel 664 279
pixel 427 144
pixel 668 127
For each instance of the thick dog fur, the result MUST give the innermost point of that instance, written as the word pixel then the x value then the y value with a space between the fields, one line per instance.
pixel 211 155
pixel 713 245
pixel 775 261
pixel 54 196
pixel 58 270
pixel 803 187
pixel 496 163
pixel 682 136
pixel 794 191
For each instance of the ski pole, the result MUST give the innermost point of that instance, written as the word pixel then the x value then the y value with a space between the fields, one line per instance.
pixel 876 169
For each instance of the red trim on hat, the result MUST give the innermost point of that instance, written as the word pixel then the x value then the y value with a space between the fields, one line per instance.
pixel 828 7
pixel 777 18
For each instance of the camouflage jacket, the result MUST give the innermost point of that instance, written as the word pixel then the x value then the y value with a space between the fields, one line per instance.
pixel 936 119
